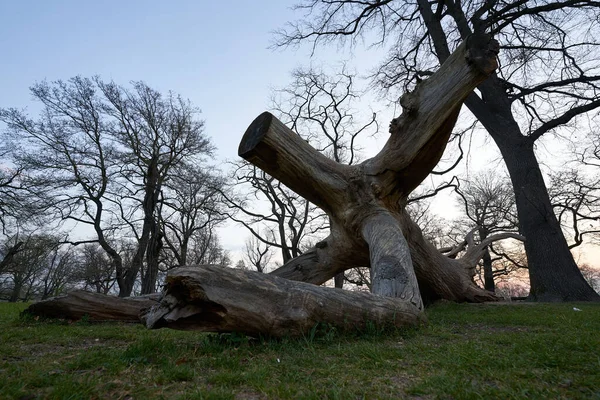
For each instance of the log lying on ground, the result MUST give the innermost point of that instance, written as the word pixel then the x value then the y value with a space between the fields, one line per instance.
pixel 215 299
pixel 95 306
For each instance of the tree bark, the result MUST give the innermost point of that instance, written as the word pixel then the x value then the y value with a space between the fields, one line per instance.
pixel 488 272
pixel 98 307
pixel 215 299
pixel 354 195
pixel 150 275
pixel 392 272
pixel 553 273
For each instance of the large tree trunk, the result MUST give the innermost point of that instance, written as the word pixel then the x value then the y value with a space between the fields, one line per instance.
pixel 216 299
pixel 553 273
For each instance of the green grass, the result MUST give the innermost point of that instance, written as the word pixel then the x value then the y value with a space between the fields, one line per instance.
pixel 543 351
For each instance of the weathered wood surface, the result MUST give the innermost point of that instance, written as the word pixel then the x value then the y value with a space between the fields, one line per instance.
pixel 438 276
pixel 352 195
pixel 369 227
pixel 392 272
pixel 97 307
pixel 217 299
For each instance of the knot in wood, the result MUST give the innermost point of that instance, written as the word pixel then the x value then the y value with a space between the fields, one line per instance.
pixel 410 101
pixel 394 124
pixel 482 51
pixel 376 189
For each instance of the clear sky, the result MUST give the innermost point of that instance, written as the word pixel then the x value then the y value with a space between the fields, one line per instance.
pixel 214 53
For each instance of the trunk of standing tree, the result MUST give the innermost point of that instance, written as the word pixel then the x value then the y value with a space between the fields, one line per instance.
pixel 553 273
pixel 116 259
pixel 15 294
pixel 151 192
pixel 128 278
pixel 152 258
pixel 488 271
pixel 338 280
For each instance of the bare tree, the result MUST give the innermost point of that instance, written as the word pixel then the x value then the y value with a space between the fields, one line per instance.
pixel 548 76
pixel 576 201
pixel 207 249
pixel 271 212
pixel 488 203
pixel 258 254
pixel 99 156
pixel 155 134
pixel 13 204
pixel 67 156
pixel 42 268
pixel 58 274
pixel 592 275
pixel 192 209
pixel 94 269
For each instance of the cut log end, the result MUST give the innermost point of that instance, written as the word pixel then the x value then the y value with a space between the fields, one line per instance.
pixel 254 134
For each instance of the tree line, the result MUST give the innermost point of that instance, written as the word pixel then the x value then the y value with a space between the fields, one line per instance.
pixel 129 163
pixel 134 165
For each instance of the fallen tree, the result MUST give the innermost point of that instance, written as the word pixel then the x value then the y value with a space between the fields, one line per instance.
pixel 362 200
pixel 369 225
pixel 95 306
pixel 215 299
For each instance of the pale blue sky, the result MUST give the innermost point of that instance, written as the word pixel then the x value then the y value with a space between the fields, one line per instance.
pixel 213 52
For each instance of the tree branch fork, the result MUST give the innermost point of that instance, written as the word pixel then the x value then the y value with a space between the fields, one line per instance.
pixel 369 225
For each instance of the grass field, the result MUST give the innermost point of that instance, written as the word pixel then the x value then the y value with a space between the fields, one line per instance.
pixel 543 351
